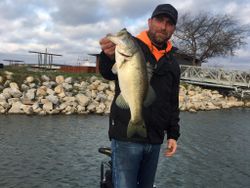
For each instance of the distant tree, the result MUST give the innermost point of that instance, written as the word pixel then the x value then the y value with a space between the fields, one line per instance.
pixel 205 36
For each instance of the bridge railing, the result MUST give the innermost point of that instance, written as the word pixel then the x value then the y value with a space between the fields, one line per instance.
pixel 216 76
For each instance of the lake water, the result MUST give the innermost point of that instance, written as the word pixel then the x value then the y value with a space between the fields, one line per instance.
pixel 62 151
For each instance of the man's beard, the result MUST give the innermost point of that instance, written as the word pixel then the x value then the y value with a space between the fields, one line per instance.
pixel 158 38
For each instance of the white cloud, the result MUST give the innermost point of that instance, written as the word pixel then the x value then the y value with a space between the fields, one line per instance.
pixel 74 28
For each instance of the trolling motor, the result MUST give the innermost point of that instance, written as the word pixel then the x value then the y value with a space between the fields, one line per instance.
pixel 106 169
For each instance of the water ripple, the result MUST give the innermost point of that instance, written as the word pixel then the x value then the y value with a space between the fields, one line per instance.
pixel 61 151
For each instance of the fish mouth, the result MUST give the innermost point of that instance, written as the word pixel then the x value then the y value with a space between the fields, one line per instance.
pixel 125 55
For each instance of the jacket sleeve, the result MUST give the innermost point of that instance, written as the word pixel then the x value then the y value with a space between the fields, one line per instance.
pixel 105 67
pixel 173 130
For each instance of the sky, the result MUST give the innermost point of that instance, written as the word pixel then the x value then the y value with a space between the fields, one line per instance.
pixel 74 28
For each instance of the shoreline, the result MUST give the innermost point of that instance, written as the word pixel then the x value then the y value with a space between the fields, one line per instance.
pixel 45 96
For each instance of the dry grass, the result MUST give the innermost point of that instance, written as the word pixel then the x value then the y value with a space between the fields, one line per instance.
pixel 22 72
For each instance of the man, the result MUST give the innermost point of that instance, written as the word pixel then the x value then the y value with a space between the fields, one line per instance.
pixel 135 159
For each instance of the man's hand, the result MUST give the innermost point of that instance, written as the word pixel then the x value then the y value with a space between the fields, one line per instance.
pixel 171 147
pixel 108 47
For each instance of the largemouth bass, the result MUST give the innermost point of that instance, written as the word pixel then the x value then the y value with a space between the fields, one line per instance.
pixel 133 75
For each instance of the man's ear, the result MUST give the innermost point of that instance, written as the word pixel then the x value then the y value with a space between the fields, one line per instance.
pixel 149 22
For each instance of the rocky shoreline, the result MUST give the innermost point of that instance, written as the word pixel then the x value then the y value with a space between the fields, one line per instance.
pixel 70 96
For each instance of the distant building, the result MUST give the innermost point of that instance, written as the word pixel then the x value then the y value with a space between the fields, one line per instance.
pixel 78 69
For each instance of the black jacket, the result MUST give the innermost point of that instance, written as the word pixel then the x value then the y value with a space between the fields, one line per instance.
pixel 160 117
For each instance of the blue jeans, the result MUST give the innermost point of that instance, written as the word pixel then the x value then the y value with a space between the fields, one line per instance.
pixel 134 164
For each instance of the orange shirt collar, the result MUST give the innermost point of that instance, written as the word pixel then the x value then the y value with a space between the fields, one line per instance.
pixel 143 36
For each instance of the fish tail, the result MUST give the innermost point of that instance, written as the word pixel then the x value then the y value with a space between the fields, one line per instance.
pixel 138 128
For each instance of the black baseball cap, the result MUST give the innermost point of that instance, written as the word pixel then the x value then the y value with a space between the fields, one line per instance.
pixel 168 10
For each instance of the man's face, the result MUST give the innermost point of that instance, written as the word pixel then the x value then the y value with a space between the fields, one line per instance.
pixel 161 29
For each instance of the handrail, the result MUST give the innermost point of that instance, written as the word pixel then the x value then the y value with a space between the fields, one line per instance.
pixel 215 76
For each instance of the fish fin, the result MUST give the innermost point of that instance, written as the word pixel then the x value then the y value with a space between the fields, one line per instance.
pixel 150 97
pixel 136 129
pixel 120 102
pixel 114 68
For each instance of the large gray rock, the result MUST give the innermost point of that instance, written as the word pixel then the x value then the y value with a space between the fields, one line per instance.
pixel 52 98
pixel 83 85
pixel 27 109
pixel 92 106
pixel 62 95
pixel 24 87
pixel 101 97
pixel 59 89
pixel 32 85
pixel 109 94
pixel 100 109
pixel 45 78
pixel 88 93
pixel 6 93
pixel 49 84
pixel 30 79
pixel 67 87
pixel 211 106
pixel 13 85
pixel 41 91
pixel 93 79
pixel 81 109
pixel 31 94
pixel 69 94
pixel 82 100
pixel 50 91
pixel 59 79
pixel 15 93
pixel 102 87
pixel 6 83
pixel 38 111
pixel 5 105
pixel 69 110
pixel 48 107
pixel 36 107
pixel 76 86
pixel 69 80
pixel 94 85
pixel 62 106
pixel 13 100
pixel 16 108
